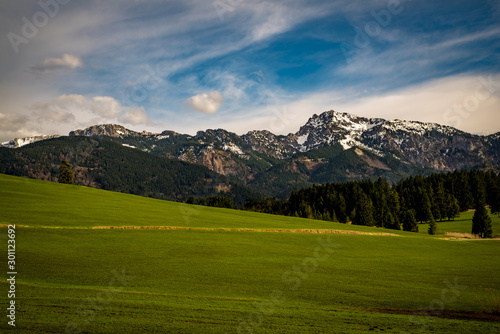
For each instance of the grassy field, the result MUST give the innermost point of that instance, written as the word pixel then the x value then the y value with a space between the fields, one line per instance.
pixel 463 224
pixel 219 272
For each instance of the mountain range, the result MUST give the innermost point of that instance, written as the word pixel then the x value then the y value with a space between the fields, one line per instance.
pixel 330 147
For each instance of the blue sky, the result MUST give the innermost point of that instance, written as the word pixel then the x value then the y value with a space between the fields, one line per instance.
pixel 244 65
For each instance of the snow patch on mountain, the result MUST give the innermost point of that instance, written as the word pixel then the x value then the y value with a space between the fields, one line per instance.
pixel 20 142
pixel 233 148
pixel 302 139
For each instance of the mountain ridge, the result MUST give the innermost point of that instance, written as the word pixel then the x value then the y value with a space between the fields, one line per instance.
pixel 330 147
pixel 115 130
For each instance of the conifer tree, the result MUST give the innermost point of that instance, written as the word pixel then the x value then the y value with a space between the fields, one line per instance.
pixel 481 222
pixel 409 221
pixel 364 211
pixel 341 209
pixel 439 202
pixel 432 227
pixel 452 207
pixel 478 187
pixel 394 205
pixel 495 199
pixel 423 209
pixel 65 172
pixel 391 222
pixel 463 191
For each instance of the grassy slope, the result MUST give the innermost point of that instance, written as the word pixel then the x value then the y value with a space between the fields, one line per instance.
pixel 463 224
pixel 38 203
pixel 206 281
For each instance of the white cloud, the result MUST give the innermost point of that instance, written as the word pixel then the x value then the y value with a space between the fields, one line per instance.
pixel 14 125
pixel 79 110
pixel 8 122
pixel 206 103
pixel 104 107
pixel 270 18
pixel 54 115
pixel 112 43
pixel 67 61
pixel 464 102
pixel 136 116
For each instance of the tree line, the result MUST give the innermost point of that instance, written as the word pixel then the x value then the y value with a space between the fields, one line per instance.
pixel 403 205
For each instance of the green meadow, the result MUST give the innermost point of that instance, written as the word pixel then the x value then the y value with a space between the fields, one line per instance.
pixel 229 271
pixel 463 224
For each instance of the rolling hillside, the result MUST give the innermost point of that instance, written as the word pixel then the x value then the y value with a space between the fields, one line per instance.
pixel 211 270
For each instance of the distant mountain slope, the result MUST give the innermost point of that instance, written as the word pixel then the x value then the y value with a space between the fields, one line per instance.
pixel 103 164
pixel 330 147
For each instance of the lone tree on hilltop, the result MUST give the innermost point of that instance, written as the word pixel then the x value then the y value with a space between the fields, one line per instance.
pixel 481 222
pixel 65 172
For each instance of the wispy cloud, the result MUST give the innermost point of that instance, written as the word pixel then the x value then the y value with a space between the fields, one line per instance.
pixel 450 101
pixel 77 110
pixel 66 62
pixel 467 102
pixel 136 61
pixel 136 116
pixel 417 58
pixel 11 121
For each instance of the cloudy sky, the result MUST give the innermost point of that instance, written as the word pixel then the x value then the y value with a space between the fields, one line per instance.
pixel 246 64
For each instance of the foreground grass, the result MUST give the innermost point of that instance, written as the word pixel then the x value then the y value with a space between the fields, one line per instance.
pixel 197 281
pixel 192 281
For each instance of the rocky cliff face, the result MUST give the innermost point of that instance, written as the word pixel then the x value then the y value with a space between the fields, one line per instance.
pixel 425 145
pixel 106 130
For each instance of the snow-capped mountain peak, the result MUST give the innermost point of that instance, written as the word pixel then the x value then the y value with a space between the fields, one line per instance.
pixel 20 142
pixel 427 145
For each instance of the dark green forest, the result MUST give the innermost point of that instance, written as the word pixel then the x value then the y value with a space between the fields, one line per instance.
pixel 415 199
pixel 103 164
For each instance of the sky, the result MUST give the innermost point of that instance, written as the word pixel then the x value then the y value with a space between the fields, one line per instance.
pixel 246 65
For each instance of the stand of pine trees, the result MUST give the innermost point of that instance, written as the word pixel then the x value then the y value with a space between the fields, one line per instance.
pixel 416 199
pixel 66 172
